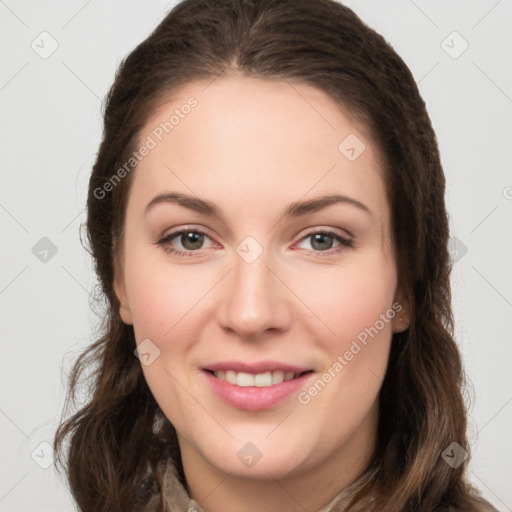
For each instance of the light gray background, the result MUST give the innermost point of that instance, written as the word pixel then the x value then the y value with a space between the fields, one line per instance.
pixel 50 131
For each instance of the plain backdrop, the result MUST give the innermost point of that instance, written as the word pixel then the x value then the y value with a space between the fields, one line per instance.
pixel 58 60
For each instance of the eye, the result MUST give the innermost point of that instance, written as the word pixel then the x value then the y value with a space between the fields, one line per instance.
pixel 191 240
pixel 322 242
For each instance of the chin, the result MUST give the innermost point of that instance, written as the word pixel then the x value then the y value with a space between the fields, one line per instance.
pixel 259 459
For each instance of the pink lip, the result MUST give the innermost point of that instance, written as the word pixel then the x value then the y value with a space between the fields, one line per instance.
pixel 255 368
pixel 253 398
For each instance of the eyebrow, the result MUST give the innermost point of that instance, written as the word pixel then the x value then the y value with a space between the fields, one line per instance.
pixel 296 209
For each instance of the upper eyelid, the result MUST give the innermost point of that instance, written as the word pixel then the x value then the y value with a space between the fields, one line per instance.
pixel 310 231
pixel 185 229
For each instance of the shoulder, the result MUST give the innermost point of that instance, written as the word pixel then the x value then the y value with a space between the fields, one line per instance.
pixel 154 504
pixel 150 489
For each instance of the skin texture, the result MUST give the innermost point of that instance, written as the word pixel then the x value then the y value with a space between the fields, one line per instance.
pixel 253 147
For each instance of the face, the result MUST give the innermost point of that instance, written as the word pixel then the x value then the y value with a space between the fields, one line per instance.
pixel 265 313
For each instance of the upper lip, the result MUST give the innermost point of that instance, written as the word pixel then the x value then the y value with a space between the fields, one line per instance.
pixel 256 368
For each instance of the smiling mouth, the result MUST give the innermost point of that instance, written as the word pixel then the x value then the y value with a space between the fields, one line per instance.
pixel 262 380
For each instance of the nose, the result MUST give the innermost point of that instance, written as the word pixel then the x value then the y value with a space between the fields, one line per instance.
pixel 254 299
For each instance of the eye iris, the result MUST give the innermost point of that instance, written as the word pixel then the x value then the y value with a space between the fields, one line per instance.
pixel 320 238
pixel 193 238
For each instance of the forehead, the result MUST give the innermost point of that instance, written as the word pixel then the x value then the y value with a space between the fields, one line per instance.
pixel 254 143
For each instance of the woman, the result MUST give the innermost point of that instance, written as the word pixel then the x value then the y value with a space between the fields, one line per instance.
pixel 266 214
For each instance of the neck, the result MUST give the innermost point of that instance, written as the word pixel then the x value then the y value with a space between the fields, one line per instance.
pixel 309 488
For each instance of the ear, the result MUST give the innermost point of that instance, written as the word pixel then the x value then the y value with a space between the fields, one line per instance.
pixel 120 291
pixel 402 317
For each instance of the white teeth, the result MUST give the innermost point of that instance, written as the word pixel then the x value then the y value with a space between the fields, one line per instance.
pixel 277 377
pixel 244 379
pixel 261 380
pixel 231 376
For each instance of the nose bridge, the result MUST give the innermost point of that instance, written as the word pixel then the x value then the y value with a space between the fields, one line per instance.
pixel 254 300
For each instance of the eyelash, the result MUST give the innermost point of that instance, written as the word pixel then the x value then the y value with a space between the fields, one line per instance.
pixel 344 243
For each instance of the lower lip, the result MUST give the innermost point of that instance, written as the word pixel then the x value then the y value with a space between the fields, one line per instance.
pixel 254 398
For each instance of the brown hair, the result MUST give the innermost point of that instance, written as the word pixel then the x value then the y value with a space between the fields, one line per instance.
pixel 118 439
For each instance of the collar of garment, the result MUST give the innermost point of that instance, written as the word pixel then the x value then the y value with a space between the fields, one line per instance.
pixel 176 498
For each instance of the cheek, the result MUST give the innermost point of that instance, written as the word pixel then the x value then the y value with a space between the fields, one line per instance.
pixel 161 298
pixel 350 300
pixel 358 310
pixel 164 305
pixel 355 304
